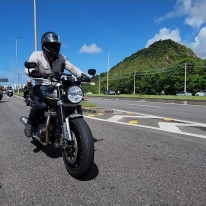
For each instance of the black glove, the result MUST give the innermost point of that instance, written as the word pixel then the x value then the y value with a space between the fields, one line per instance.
pixel 57 76
pixel 35 74
pixel 45 75
pixel 85 78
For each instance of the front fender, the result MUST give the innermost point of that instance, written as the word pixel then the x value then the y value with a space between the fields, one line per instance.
pixel 73 116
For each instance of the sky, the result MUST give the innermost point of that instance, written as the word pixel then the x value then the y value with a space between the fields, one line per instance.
pixel 97 33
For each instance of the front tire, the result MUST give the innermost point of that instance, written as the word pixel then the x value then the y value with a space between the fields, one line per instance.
pixel 78 160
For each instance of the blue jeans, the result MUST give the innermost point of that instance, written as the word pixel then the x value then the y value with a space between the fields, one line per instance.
pixel 40 103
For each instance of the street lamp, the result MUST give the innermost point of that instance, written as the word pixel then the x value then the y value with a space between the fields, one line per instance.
pixel 107 70
pixel 17 69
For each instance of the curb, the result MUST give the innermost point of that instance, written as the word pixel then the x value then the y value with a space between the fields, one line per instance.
pixel 96 110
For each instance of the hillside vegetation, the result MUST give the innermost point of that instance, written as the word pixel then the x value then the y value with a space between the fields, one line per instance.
pixel 161 66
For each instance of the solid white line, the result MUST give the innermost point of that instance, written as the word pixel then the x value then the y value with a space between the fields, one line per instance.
pixel 193 105
pixel 142 106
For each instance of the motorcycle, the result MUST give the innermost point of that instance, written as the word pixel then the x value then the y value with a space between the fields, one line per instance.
pixel 28 98
pixel 63 126
pixel 10 92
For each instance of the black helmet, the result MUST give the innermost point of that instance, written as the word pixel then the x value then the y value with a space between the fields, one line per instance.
pixel 51 44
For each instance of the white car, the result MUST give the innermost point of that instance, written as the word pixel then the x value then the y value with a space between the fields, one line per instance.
pixel 184 93
pixel 110 92
pixel 201 93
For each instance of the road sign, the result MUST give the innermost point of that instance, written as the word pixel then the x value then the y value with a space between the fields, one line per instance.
pixel 3 80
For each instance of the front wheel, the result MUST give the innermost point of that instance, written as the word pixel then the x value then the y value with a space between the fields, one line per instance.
pixel 79 156
pixel 10 94
pixel 27 102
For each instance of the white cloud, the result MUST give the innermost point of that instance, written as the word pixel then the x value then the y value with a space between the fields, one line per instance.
pixel 165 33
pixel 193 10
pixel 199 45
pixel 92 48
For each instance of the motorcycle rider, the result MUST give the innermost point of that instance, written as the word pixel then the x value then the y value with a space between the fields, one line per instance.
pixel 27 88
pixel 49 60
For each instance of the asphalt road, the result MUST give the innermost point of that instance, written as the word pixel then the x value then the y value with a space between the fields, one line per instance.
pixel 133 166
pixel 187 112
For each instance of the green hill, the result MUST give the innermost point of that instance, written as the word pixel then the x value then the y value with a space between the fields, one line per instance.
pixel 160 55
pixel 161 66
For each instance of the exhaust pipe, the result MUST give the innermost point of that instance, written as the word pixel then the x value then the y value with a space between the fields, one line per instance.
pixel 24 120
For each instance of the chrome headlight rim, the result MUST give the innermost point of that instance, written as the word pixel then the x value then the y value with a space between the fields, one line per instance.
pixel 74 94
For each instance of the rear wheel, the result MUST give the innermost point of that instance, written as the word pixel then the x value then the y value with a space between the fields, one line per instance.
pixel 79 156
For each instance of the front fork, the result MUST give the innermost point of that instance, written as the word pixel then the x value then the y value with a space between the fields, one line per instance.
pixel 79 109
pixel 66 136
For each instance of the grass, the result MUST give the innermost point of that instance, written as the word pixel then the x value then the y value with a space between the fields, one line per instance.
pixel 144 96
pixel 86 103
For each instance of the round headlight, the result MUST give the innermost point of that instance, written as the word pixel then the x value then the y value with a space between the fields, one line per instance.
pixel 75 94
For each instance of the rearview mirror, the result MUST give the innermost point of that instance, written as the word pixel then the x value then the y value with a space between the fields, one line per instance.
pixel 30 65
pixel 92 72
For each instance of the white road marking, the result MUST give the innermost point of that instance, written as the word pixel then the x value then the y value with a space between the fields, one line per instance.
pixel 172 127
pixel 143 106
pixel 149 127
pixel 116 118
pixel 163 126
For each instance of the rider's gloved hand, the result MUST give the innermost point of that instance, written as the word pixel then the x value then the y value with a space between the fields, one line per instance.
pixel 45 75
pixel 85 78
pixel 57 76
pixel 35 74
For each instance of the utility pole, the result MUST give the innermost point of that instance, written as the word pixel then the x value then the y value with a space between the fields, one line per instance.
pixel 134 83
pixel 107 70
pixel 17 69
pixel 185 85
pixel 35 28
pixel 99 85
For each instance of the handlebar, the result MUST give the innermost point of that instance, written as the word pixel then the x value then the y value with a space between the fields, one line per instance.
pixel 32 65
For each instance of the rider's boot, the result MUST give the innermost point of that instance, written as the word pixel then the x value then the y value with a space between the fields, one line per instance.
pixel 29 129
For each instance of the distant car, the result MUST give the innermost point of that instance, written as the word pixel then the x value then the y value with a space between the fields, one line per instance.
pixel 184 94
pixel 110 92
pixel 201 93
pixel 89 93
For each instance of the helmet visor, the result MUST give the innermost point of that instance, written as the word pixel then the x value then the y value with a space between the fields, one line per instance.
pixel 52 46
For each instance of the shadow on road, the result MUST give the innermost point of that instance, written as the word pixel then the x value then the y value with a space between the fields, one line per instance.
pixel 50 152
pixel 93 173
pixel 56 153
